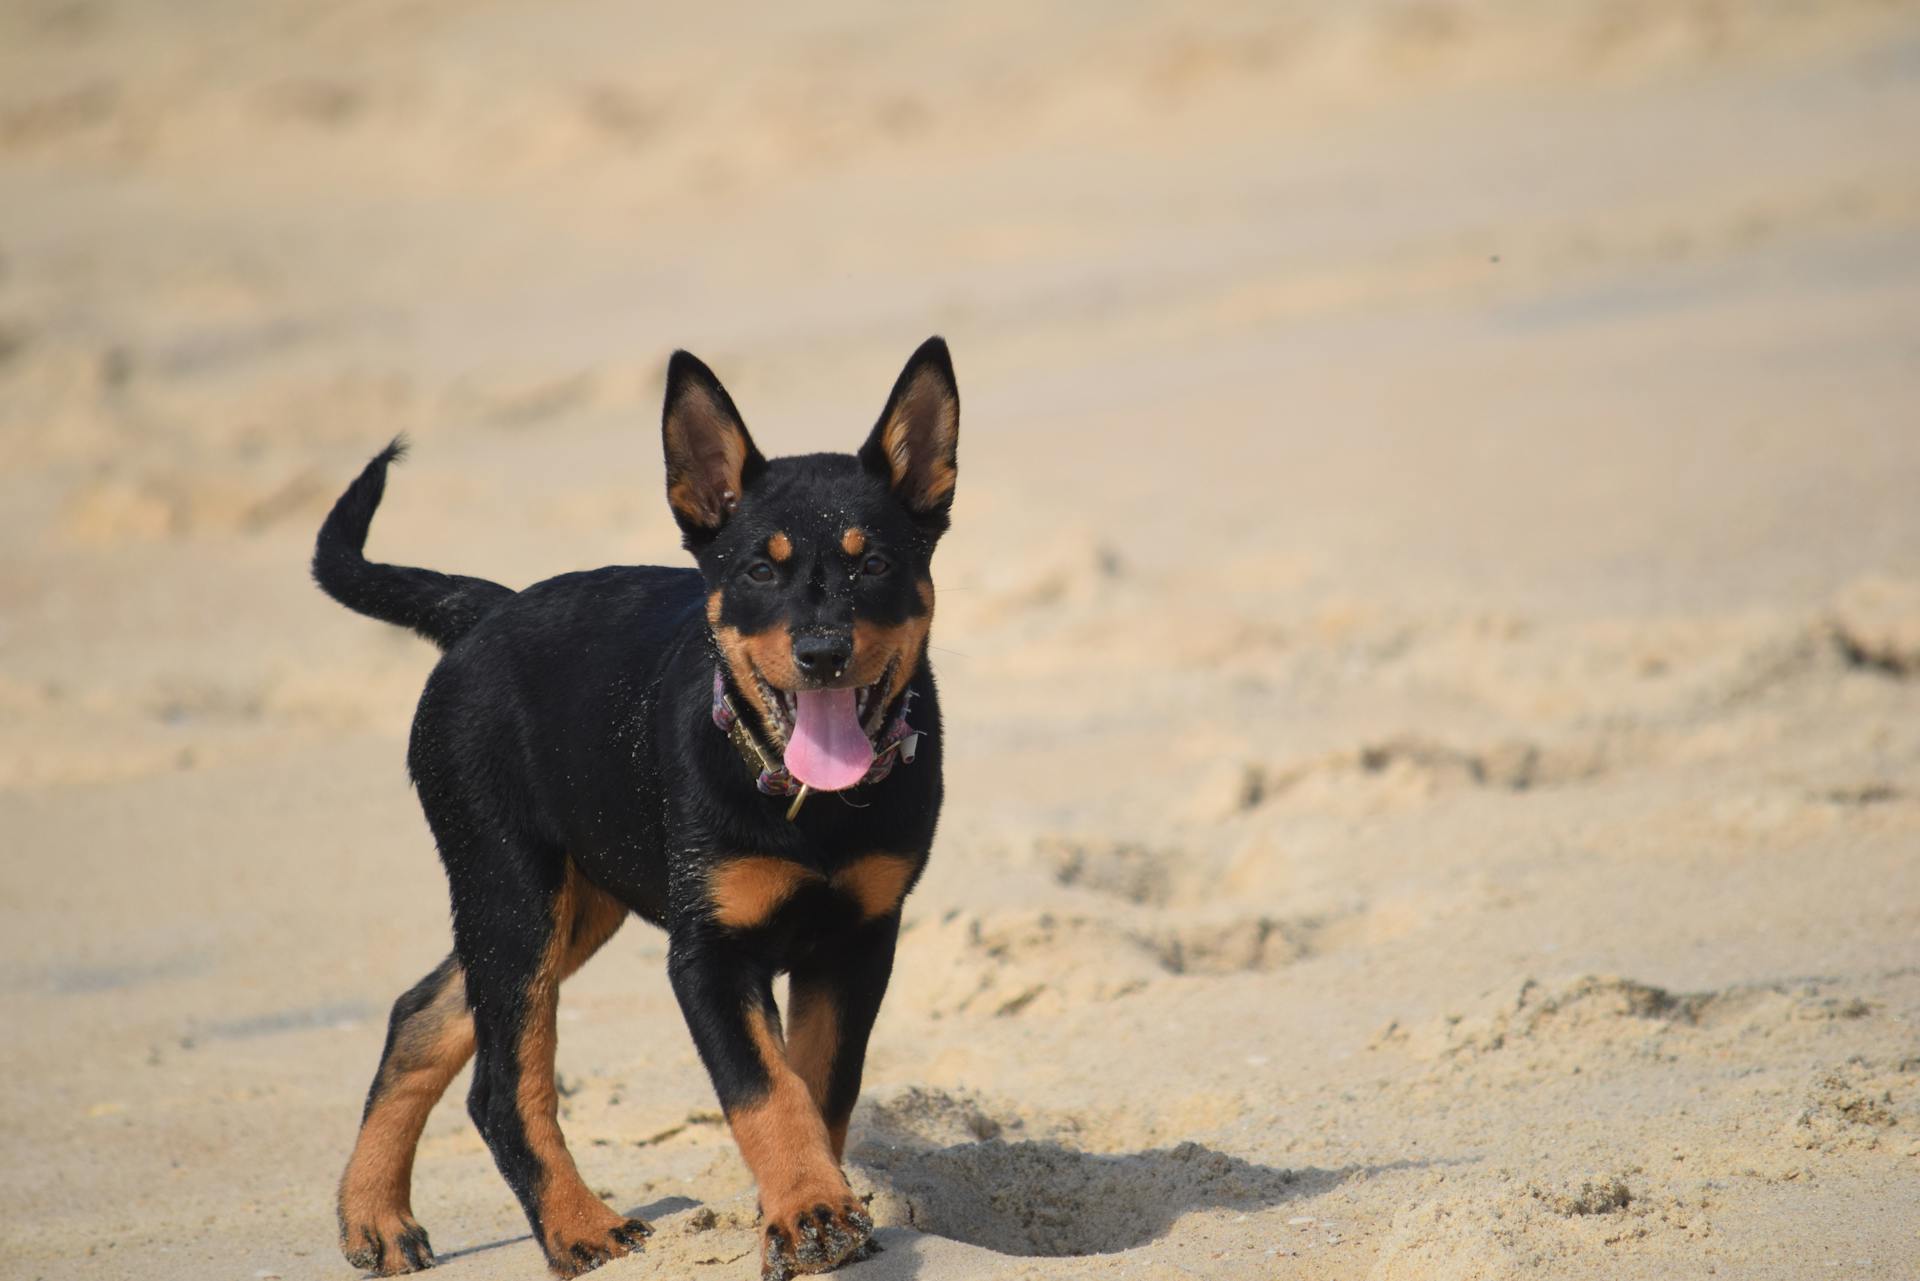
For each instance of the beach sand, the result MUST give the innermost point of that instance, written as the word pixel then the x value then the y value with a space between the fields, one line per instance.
pixel 1430 636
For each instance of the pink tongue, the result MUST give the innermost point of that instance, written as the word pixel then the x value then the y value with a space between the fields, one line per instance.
pixel 828 751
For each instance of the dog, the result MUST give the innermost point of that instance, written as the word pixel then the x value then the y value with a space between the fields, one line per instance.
pixel 652 741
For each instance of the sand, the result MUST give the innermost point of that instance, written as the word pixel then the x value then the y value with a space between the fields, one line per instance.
pixel 1431 633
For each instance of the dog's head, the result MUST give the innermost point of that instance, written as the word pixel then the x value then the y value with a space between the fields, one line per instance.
pixel 818 567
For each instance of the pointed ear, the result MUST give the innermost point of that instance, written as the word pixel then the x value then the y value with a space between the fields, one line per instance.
pixel 710 458
pixel 915 445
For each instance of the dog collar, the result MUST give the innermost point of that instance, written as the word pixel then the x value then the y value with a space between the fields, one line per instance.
pixel 898 741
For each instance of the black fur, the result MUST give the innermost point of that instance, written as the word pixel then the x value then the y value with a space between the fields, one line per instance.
pixel 568 726
pixel 441 607
pixel 402 1021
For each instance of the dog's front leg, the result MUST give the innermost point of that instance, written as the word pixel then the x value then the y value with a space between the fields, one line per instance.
pixel 833 999
pixel 811 1220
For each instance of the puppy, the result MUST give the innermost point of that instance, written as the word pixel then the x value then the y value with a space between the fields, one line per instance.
pixel 658 742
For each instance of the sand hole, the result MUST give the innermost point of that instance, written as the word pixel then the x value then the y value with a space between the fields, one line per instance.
pixel 1042 1199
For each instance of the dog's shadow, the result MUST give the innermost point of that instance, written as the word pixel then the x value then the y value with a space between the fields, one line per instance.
pixel 1042 1199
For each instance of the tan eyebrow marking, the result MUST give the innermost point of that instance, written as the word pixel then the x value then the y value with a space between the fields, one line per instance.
pixel 854 541
pixel 780 547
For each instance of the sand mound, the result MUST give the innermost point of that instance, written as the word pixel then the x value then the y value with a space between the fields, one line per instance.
pixel 1877 625
pixel 1579 1228
pixel 1583 1015
pixel 1861 1105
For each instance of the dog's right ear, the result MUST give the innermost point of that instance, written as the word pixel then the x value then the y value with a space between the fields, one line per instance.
pixel 913 447
pixel 710 457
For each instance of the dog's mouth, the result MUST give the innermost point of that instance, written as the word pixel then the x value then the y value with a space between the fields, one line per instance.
pixel 869 703
pixel 827 734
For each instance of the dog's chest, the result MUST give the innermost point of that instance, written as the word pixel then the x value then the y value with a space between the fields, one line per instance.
pixel 798 903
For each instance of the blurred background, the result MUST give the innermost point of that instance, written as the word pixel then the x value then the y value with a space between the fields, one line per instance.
pixel 1431 630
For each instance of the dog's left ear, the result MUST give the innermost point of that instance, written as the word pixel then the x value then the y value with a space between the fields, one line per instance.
pixel 915 445
pixel 710 457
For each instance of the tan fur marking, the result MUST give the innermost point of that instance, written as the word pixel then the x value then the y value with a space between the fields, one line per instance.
pixel 684 497
pixel 376 1191
pixel 877 882
pixel 706 455
pixel 780 547
pixel 813 1043
pixel 813 1038
pixel 933 479
pixel 770 653
pixel 854 541
pixel 875 646
pixel 746 891
pixel 569 1212
pixel 837 1135
pixel 431 1049
pixel 782 1138
pixel 597 916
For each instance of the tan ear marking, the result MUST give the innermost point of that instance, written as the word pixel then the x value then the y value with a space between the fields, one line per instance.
pixel 915 443
pixel 930 481
pixel 707 452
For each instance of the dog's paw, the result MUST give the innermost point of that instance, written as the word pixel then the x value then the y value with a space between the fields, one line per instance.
pixel 388 1245
pixel 816 1238
pixel 571 1253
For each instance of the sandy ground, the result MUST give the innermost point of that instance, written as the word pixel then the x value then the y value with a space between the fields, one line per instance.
pixel 1431 634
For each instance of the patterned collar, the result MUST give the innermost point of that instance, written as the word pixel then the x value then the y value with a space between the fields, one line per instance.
pixel 898 741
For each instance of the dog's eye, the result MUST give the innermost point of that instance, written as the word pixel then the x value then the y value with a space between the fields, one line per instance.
pixel 875 565
pixel 760 572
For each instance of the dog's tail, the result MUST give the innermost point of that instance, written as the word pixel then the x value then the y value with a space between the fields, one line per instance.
pixel 441 607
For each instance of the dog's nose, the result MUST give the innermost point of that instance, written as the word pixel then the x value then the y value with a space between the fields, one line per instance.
pixel 822 657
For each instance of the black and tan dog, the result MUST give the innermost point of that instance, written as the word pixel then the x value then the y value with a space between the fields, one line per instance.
pixel 653 741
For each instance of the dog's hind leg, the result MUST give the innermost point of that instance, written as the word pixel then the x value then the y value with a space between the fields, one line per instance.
pixel 516 952
pixel 429 1039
